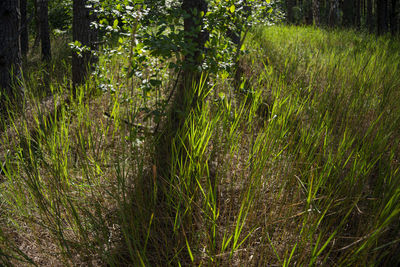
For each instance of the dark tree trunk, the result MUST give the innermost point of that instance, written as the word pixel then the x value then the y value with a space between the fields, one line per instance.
pixel 10 51
pixel 315 11
pixel 382 23
pixel 369 19
pixel 43 16
pixel 333 13
pixel 186 100
pixel 37 25
pixel 394 26
pixel 197 37
pixel 193 27
pixel 348 13
pixel 357 14
pixel 81 33
pixel 185 96
pixel 289 10
pixel 24 29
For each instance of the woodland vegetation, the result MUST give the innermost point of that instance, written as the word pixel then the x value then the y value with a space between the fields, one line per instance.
pixel 199 132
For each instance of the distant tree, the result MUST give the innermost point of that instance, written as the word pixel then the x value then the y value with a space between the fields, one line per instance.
pixel 394 20
pixel 44 31
pixel 85 38
pixel 333 12
pixel 10 51
pixel 290 4
pixel 315 11
pixel 24 28
pixel 357 13
pixel 369 18
pixel 347 7
pixel 382 16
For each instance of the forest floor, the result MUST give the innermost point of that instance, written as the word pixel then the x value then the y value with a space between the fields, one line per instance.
pixel 299 165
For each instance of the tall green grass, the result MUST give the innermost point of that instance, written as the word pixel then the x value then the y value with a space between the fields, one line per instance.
pixel 300 168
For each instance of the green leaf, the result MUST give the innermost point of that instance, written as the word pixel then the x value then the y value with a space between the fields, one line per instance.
pixel 115 24
pixel 232 8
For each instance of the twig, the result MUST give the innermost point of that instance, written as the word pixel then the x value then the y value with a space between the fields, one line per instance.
pixel 140 127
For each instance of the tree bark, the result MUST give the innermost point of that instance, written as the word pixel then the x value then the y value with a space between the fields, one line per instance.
pixel 81 33
pixel 382 23
pixel 394 22
pixel 43 16
pixel 333 13
pixel 348 13
pixel 24 28
pixel 315 11
pixel 357 14
pixel 10 52
pixel 185 97
pixel 289 10
pixel 369 19
pixel 196 37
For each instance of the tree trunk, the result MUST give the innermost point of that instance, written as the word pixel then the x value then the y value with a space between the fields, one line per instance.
pixel 185 96
pixel 369 19
pixel 289 10
pixel 315 11
pixel 394 22
pixel 10 52
pixel 357 14
pixel 348 13
pixel 333 13
pixel 24 29
pixel 197 37
pixel 43 16
pixel 80 33
pixel 381 7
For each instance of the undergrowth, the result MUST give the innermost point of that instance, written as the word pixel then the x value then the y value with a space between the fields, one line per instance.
pixel 298 166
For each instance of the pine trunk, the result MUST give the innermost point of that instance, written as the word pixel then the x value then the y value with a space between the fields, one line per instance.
pixel 195 35
pixel 24 29
pixel 10 52
pixel 315 10
pixel 357 13
pixel 289 10
pixel 80 33
pixel 333 13
pixel 381 7
pixel 369 19
pixel 43 16
pixel 394 21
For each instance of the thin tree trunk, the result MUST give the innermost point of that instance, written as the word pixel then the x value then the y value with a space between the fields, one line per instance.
pixel 289 10
pixel 10 52
pixel 43 16
pixel 369 18
pixel 394 26
pixel 357 14
pixel 381 6
pixel 185 96
pixel 24 29
pixel 37 24
pixel 315 11
pixel 185 101
pixel 80 33
pixel 333 13
pixel 195 35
